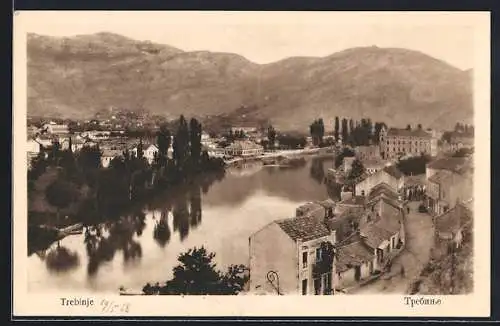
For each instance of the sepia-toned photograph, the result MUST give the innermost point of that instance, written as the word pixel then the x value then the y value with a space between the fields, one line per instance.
pixel 249 154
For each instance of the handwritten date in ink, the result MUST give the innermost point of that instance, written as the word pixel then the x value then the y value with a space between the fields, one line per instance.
pixel 109 306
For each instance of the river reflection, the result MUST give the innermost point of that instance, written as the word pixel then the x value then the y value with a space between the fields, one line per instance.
pixel 219 212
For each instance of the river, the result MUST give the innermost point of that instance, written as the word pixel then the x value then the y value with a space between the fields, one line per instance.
pixel 220 214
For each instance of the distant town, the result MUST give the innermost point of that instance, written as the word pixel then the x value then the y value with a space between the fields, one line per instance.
pixel 402 220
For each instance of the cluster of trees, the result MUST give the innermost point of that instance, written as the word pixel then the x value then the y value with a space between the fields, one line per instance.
pixel 317 131
pixel 289 141
pixel 236 135
pixel 360 133
pixel 413 165
pixel 197 275
pixel 129 177
pixel 355 133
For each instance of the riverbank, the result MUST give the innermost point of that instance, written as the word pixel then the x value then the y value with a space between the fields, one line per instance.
pixel 282 153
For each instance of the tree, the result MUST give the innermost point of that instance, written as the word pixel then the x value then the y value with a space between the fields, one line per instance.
pixel 357 170
pixel 181 143
pixel 419 126
pixel 140 150
pixel 321 130
pixel 339 159
pixel 345 131
pixel 336 129
pixel 195 130
pixel 271 136
pixel 89 158
pixel 60 194
pixel 408 127
pixel 163 139
pixel 197 275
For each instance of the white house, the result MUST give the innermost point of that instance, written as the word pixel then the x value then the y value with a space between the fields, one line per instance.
pixel 149 152
pixel 108 155
pixel 291 248
pixel 58 129
pixel 244 149
pixel 389 175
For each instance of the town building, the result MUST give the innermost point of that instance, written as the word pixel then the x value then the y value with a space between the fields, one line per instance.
pixel 149 152
pixel 373 165
pixel 389 175
pixel 246 129
pixel 459 140
pixel 383 230
pixel 291 248
pixel 367 153
pixel 33 149
pixel 45 140
pixel 452 228
pixel 355 263
pixel 108 155
pixel 56 129
pixel 449 180
pixel 396 143
pixel 347 164
pixel 244 149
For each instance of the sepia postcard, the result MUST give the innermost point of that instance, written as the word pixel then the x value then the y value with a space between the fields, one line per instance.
pixel 251 164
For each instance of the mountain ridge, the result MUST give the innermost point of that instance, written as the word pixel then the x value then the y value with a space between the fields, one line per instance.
pixel 80 75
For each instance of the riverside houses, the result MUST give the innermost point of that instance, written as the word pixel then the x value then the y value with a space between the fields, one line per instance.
pixel 292 248
pixel 395 143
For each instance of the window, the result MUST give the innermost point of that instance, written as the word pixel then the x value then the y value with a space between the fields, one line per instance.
pixel 304 287
pixel 318 254
pixel 304 259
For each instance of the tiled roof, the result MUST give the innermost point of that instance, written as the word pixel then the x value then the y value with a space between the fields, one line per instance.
pixel 454 219
pixel 455 164
pixel 353 254
pixel 382 188
pixel 408 133
pixel 393 171
pixel 440 177
pixel 374 235
pixel 304 228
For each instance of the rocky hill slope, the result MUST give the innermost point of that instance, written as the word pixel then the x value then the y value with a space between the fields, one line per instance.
pixel 79 76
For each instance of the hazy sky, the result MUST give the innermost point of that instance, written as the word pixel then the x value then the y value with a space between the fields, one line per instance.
pixel 265 37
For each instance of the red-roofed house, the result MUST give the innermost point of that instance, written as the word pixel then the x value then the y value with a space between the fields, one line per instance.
pixel 291 248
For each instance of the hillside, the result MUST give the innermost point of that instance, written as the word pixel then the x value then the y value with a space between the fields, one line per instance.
pixel 81 75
